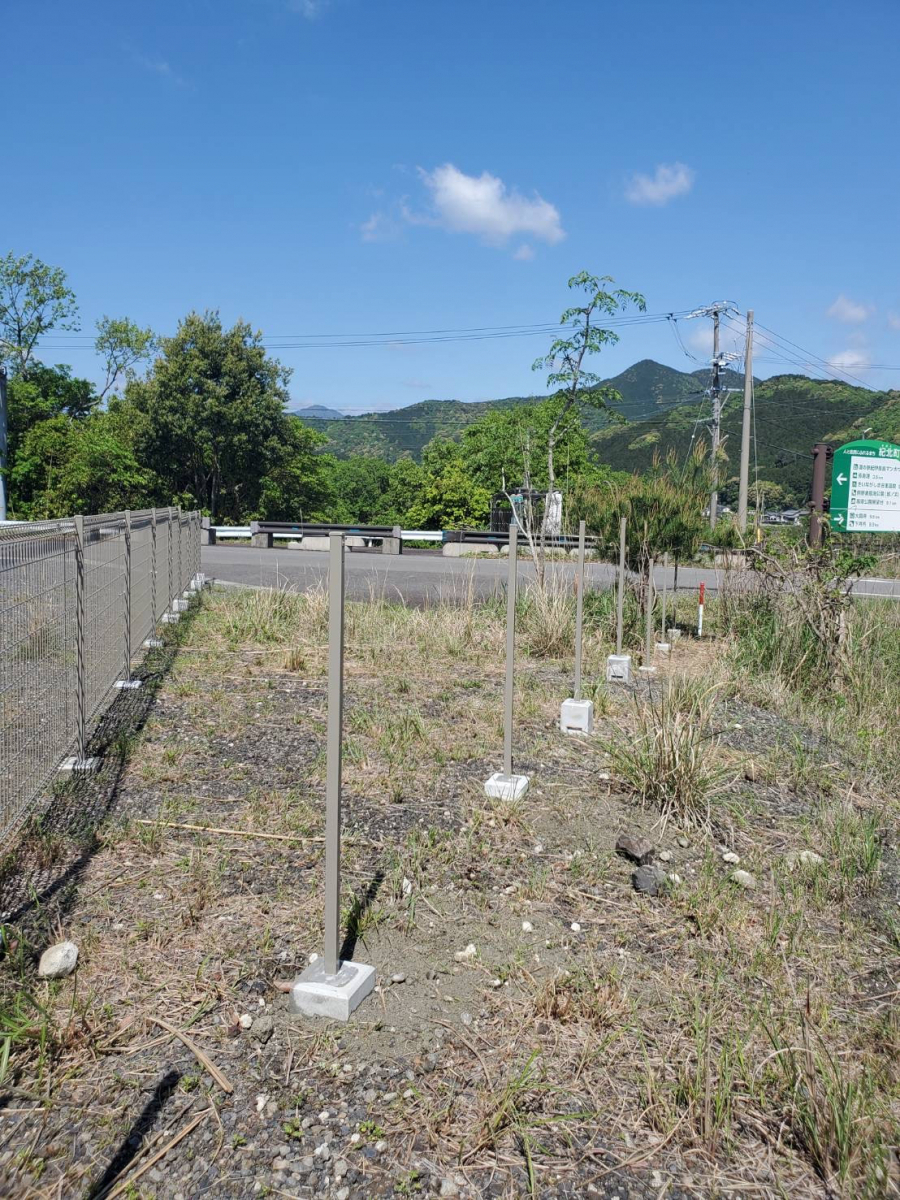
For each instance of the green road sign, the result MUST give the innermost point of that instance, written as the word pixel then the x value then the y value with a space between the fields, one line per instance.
pixel 865 488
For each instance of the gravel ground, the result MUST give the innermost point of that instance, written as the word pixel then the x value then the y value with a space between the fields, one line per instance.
pixel 528 1067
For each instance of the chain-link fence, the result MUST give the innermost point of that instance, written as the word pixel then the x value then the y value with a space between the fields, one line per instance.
pixel 78 600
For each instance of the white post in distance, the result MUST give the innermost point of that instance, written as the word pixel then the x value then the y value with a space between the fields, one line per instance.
pixel 664 646
pixel 577 715
pixel 330 986
pixel 700 610
pixel 618 665
pixel 504 785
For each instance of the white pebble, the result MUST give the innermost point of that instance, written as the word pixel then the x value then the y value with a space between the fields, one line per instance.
pixel 575 927
pixel 245 1020
pixel 469 952
pixel 527 927
pixel 730 857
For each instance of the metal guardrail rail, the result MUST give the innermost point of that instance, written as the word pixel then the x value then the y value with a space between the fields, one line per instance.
pixel 78 599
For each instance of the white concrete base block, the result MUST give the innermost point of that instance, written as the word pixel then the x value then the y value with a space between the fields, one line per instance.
pixel 576 716
pixel 79 766
pixel 179 606
pixel 506 787
pixel 673 634
pixel 663 647
pixel 128 685
pixel 646 672
pixel 171 618
pixel 316 994
pixel 618 668
pixel 153 644
pixel 199 580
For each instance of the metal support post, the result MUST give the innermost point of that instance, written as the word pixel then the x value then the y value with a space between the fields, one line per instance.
pixel 171 556
pixel 620 598
pixel 126 672
pixel 744 476
pixel 155 611
pixel 180 587
pixel 665 632
pixel 3 443
pixel 333 769
pixel 80 664
pixel 579 610
pixel 648 633
pixel 512 580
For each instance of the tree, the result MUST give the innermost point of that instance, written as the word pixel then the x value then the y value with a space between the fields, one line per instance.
pixel 216 434
pixel 449 497
pixel 122 344
pixel 565 359
pixel 34 298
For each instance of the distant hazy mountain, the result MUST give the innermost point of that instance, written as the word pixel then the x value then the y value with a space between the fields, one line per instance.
pixel 318 412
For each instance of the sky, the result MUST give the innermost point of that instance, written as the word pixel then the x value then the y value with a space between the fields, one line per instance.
pixel 358 167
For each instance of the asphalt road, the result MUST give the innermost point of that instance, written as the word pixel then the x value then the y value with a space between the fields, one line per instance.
pixel 423 576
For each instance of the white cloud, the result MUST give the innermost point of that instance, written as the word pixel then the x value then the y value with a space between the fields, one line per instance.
pixel 850 360
pixel 894 320
pixel 311 9
pixel 380 227
pixel 483 205
pixel 159 66
pixel 525 253
pixel 849 311
pixel 667 182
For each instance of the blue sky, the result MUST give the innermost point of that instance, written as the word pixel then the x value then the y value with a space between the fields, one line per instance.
pixel 362 166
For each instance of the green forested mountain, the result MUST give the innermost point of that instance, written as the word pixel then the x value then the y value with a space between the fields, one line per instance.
pixel 646 388
pixel 792 413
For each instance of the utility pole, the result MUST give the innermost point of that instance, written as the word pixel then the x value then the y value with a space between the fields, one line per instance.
pixel 716 425
pixel 745 429
pixel 4 444
pixel 821 455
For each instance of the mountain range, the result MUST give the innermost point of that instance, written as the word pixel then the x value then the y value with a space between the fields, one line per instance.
pixel 663 409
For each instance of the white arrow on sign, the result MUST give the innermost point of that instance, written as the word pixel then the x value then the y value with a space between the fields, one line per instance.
pixel 842 478
pixel 839 519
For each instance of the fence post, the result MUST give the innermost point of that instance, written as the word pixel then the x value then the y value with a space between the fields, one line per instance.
pixel 329 986
pixel 647 667
pixel 180 587
pixel 504 785
pixel 577 715
pixel 126 674
pixel 155 613
pixel 171 546
pixel 618 665
pixel 79 761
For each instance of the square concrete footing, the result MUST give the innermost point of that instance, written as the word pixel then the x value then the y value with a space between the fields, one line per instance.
pixel 128 685
pixel 180 606
pixel 153 644
pixel 316 994
pixel 171 618
pixel 576 716
pixel 506 787
pixel 663 647
pixel 618 668
pixel 647 672
pixel 673 634
pixel 79 766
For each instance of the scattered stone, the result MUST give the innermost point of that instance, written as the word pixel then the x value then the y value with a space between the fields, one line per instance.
pixel 407 886
pixel 651 880
pixel 802 858
pixel 464 955
pixel 341 1167
pixel 657 1180
pixel 743 879
pixel 261 1102
pixel 730 857
pixel 381 1146
pixel 575 927
pixel 683 843
pixel 674 879
pixel 342 1194
pixel 409 1094
pixel 390 1097
pixel 262 1029
pixel 466 1018
pixel 449 1187
pixel 527 927
pixel 58 961
pixel 665 856
pixel 398 977
pixel 280 1164
pixel 638 849
pixel 245 1020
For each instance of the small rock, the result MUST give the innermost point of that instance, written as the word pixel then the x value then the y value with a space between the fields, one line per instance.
pixel 638 849
pixel 464 955
pixel 342 1194
pixel 58 961
pixel 466 1018
pixel 261 1102
pixel 575 927
pixel 407 886
pixel 802 858
pixel 743 879
pixel 650 880
pixel 399 977
pixel 245 1020
pixel 390 1097
pixel 280 1164
pixel 730 857
pixel 341 1167
pixel 674 879
pixel 262 1029
pixel 381 1146
pixel 409 1094
pixel 683 843
pixel 449 1187
pixel 539 847
pixel 657 1180
pixel 527 927
pixel 665 856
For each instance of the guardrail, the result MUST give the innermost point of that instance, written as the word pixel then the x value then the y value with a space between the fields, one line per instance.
pixel 79 598
pixel 314 536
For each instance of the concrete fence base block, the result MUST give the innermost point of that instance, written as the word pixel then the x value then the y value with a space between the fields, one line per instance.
pixel 153 644
pixel 506 787
pixel 179 606
pixel 663 647
pixel 171 618
pixel 618 668
pixel 79 766
pixel 673 634
pixel 469 549
pixel 128 685
pixel 647 672
pixel 199 580
pixel 576 716
pixel 316 994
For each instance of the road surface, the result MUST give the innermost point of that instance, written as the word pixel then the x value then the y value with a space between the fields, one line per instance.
pixel 425 576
